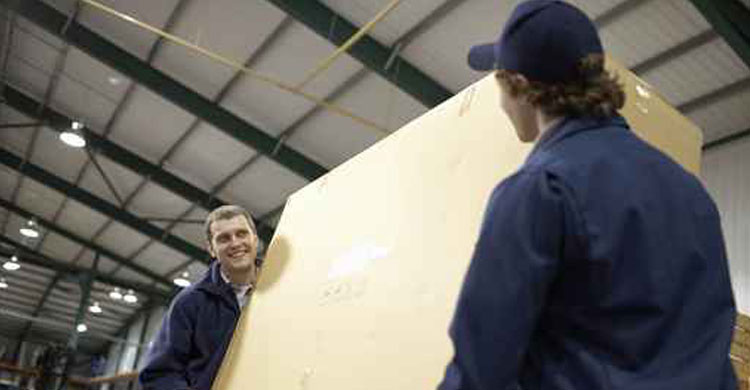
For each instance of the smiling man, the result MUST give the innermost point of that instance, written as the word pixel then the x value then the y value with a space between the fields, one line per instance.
pixel 196 332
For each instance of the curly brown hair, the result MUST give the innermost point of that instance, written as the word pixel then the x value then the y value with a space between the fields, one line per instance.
pixel 596 92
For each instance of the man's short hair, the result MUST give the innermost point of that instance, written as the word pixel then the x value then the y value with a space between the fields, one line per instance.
pixel 596 92
pixel 226 212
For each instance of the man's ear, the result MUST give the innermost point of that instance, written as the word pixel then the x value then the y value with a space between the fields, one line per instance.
pixel 210 249
pixel 511 82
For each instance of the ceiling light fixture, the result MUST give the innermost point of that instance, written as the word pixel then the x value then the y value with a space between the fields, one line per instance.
pixel 73 137
pixel 182 280
pixel 115 294
pixel 12 264
pixel 30 230
pixel 95 308
pixel 3 283
pixel 82 328
pixel 130 297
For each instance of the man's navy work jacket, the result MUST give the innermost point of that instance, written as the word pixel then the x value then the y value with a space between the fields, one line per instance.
pixel 600 265
pixel 194 336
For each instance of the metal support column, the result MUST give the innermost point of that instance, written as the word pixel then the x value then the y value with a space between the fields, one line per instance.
pixel 141 342
pixel 85 282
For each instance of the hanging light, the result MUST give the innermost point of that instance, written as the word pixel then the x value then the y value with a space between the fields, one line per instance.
pixel 95 308
pixel 3 283
pixel 82 328
pixel 130 297
pixel 115 294
pixel 30 230
pixel 182 280
pixel 12 264
pixel 73 137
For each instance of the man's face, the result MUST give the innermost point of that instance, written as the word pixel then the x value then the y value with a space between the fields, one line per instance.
pixel 234 245
pixel 521 113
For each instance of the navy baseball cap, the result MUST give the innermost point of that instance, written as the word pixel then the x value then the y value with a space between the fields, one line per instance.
pixel 544 40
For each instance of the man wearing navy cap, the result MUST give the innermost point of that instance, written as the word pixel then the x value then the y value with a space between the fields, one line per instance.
pixel 600 264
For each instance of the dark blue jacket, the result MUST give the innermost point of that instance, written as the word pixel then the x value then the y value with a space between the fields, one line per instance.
pixel 194 336
pixel 600 265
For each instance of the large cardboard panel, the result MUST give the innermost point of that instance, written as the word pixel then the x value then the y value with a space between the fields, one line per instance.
pixel 743 374
pixel 742 337
pixel 743 321
pixel 740 351
pixel 361 278
pixel 657 122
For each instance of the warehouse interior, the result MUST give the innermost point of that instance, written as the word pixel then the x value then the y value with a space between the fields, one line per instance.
pixel 186 105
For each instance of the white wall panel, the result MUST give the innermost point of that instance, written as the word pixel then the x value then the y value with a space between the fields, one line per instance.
pixel 154 323
pixel 127 361
pixel 725 174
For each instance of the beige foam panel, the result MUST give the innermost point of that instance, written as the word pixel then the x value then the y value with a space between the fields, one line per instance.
pixel 740 351
pixel 363 273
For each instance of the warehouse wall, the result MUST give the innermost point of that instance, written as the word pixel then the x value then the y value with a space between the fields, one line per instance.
pixel 7 346
pixel 152 327
pixel 127 362
pixel 726 173
pixel 121 356
pixel 115 350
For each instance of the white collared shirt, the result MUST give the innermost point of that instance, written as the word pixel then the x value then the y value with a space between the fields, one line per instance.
pixel 241 291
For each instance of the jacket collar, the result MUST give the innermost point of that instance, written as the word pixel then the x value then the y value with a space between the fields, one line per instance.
pixel 213 283
pixel 571 126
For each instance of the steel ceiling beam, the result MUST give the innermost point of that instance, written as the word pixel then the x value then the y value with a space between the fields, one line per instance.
pixel 37 173
pixel 617 12
pixel 108 127
pixel 40 260
pixel 726 140
pixel 85 243
pixel 54 79
pixel 133 67
pixel 714 96
pixel 25 332
pixel 35 337
pixel 731 19
pixel 674 52
pixel 373 54
pixel 59 122
pixel 20 125
pixel 265 231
